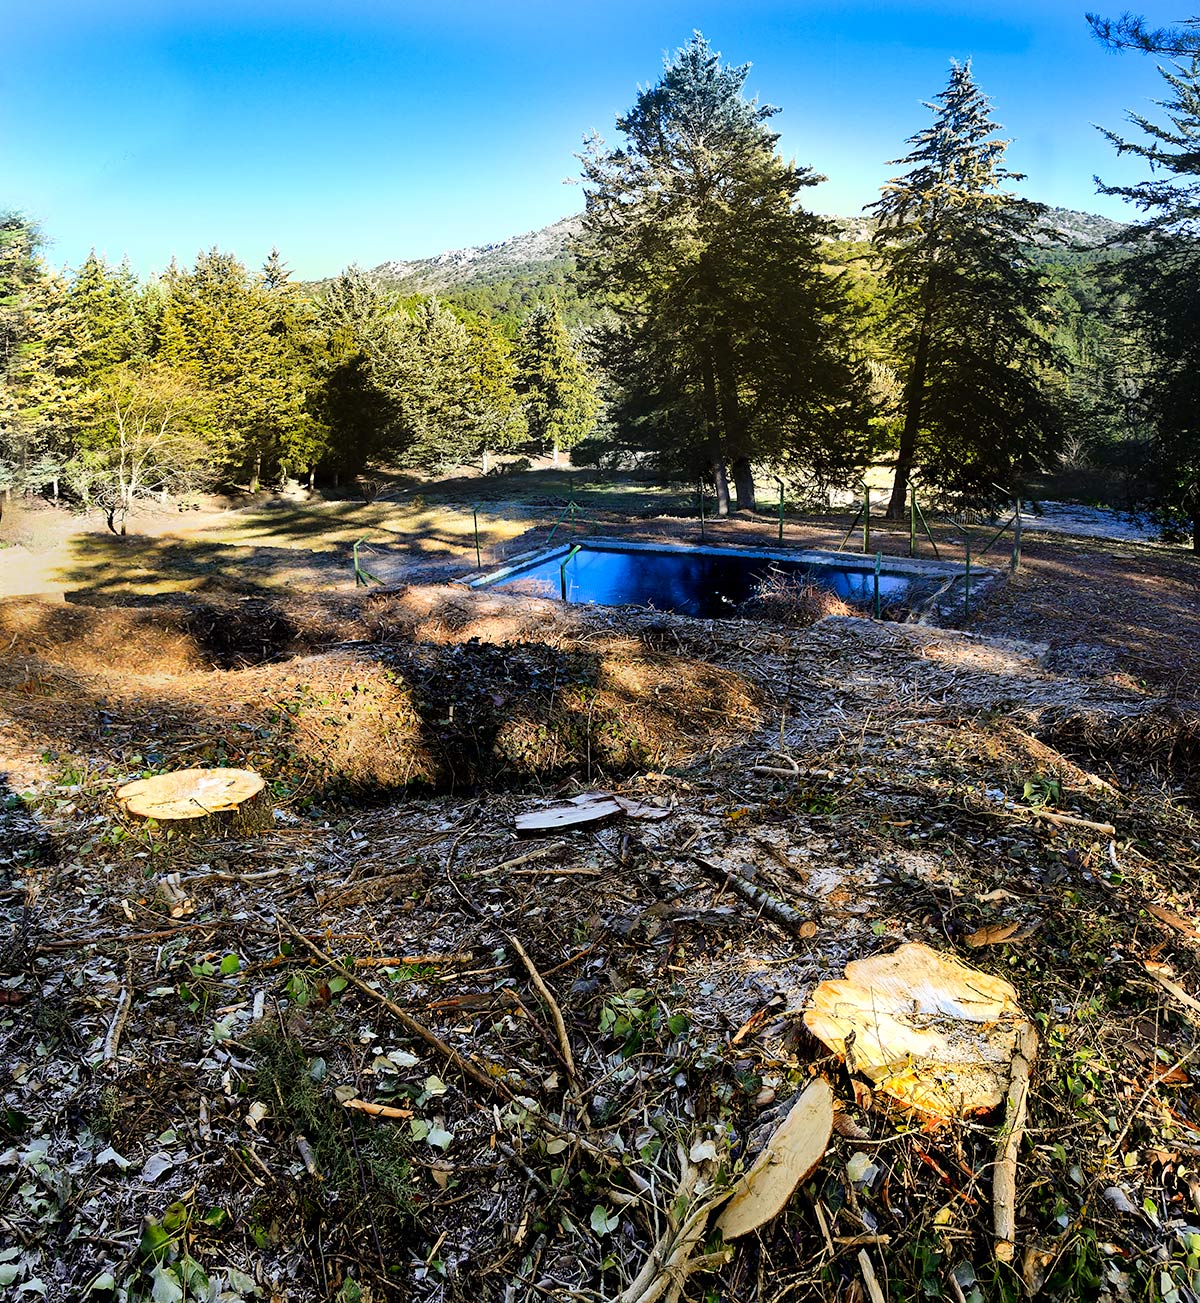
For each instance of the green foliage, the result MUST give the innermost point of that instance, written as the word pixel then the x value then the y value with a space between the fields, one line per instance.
pixel 556 391
pixel 727 341
pixel 1163 274
pixel 968 309
pixel 246 341
pixel 144 431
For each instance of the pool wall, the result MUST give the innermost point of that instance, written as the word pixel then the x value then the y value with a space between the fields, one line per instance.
pixel 946 578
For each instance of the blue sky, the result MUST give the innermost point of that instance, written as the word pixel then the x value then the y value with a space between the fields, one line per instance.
pixel 362 130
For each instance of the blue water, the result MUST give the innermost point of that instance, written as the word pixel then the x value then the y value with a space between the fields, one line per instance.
pixel 688 583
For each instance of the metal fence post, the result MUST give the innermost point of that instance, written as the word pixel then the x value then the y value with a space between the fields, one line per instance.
pixel 780 483
pixel 967 583
pixel 878 567
pixel 562 570
pixel 912 522
pixel 475 519
pixel 866 518
pixel 1016 552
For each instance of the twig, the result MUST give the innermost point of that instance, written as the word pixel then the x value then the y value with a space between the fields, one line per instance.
pixel 117 1026
pixel 785 916
pixel 538 853
pixel 399 961
pixel 869 1277
pixel 1004 1177
pixel 555 1012
pixel 492 1084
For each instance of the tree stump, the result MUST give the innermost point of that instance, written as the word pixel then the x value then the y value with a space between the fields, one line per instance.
pixel 197 801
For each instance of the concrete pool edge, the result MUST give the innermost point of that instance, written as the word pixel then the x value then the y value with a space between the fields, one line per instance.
pixel 948 601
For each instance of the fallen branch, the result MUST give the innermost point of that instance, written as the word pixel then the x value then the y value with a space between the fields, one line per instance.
pixel 785 916
pixel 670 1262
pixel 399 961
pixel 480 1076
pixel 376 1110
pixel 117 1026
pixel 490 1077
pixel 1071 821
pixel 1004 1178
pixel 551 1003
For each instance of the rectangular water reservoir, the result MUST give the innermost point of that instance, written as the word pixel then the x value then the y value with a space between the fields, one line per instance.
pixel 709 582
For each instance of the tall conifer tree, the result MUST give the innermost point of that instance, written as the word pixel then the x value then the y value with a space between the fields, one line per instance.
pixel 1163 272
pixel 558 395
pixel 968 306
pixel 730 344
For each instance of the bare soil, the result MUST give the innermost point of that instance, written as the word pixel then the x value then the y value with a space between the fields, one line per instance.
pixel 172 1110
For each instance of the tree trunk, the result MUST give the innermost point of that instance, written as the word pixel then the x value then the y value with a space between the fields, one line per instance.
pixel 733 422
pixel 254 479
pixel 743 483
pixel 312 479
pixel 722 482
pixel 556 452
pixel 914 402
pixel 54 488
pixel 485 461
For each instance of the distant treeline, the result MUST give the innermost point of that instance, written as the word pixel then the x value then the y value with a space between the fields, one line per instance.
pixel 703 321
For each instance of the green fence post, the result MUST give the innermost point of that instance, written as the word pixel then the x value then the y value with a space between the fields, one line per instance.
pixel 866 519
pixel 700 490
pixel 878 567
pixel 780 483
pixel 912 522
pixel 475 518
pixel 1016 552
pixel 562 571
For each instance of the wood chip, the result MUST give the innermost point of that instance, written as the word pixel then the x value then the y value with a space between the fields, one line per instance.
pixel 789 1157
pixel 991 934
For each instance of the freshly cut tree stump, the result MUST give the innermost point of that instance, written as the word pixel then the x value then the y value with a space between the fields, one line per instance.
pixel 201 800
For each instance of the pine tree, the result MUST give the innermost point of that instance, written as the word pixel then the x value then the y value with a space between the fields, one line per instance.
pixel 1130 32
pixel 34 356
pixel 357 322
pixel 968 307
pixel 105 317
pixel 246 343
pixel 557 393
pixel 729 343
pixel 1163 272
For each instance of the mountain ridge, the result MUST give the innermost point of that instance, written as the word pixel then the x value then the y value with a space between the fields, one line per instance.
pixel 549 246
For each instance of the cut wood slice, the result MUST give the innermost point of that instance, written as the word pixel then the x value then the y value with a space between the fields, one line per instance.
pixel 195 800
pixel 587 807
pixel 790 1156
pixel 923 1028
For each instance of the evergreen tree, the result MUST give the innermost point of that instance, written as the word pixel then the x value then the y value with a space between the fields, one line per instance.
pixel 969 309
pixel 1130 32
pixel 557 393
pixel 104 318
pixel 499 415
pixel 1164 274
pixel 246 343
pixel 34 356
pixel 358 326
pixel 729 342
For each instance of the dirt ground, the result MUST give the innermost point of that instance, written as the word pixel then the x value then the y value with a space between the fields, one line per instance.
pixel 576 1039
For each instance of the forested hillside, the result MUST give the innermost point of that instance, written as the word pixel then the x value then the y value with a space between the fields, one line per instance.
pixel 697 317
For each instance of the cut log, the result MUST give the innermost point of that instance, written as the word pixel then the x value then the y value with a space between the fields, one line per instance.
pixel 924 1028
pixel 200 801
pixel 789 1157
